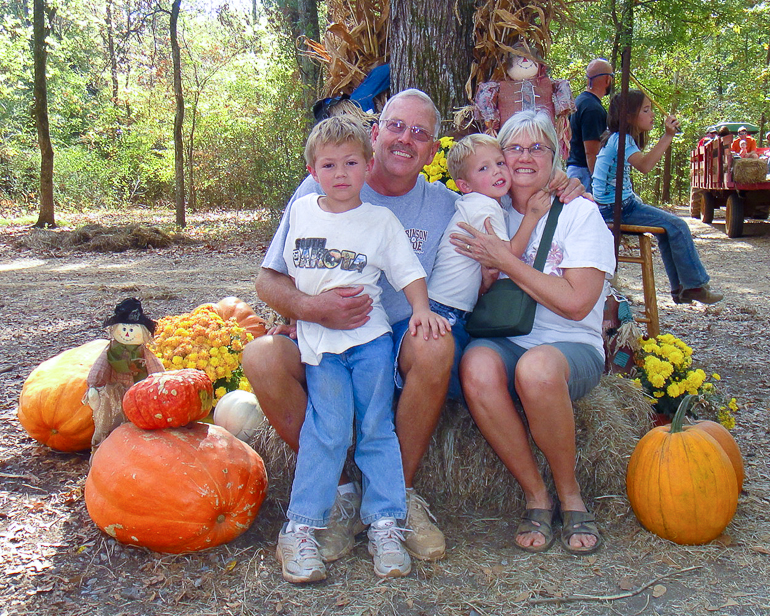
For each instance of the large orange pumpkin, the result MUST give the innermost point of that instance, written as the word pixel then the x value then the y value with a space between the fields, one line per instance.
pixel 681 483
pixel 51 407
pixel 722 436
pixel 169 399
pixel 175 490
pixel 234 307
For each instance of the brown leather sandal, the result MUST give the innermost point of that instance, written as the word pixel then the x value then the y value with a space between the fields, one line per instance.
pixel 537 521
pixel 579 523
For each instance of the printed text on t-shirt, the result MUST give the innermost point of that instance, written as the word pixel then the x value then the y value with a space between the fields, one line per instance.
pixel 417 237
pixel 311 253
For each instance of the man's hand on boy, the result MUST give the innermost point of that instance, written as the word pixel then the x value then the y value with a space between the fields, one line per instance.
pixel 340 308
pixel 431 323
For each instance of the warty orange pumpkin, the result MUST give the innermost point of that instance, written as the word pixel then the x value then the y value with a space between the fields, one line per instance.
pixel 244 315
pixel 175 490
pixel 51 407
pixel 169 399
pixel 681 483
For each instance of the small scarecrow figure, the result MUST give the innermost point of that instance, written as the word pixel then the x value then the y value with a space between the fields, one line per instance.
pixel 526 85
pixel 125 361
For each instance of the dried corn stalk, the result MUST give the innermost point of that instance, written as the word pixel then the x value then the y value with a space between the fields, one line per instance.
pixel 354 43
pixel 499 24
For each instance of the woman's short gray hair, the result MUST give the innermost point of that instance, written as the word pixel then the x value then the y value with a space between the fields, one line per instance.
pixel 419 94
pixel 538 126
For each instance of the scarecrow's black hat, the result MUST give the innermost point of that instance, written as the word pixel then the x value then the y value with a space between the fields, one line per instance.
pixel 130 311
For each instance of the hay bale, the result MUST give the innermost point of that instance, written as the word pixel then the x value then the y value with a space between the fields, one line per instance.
pixel 749 170
pixel 461 469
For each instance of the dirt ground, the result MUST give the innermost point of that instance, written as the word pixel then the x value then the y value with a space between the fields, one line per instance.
pixel 53 560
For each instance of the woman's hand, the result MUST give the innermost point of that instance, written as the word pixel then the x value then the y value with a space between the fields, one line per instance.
pixel 483 247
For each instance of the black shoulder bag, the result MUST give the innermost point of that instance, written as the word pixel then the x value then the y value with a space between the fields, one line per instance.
pixel 506 310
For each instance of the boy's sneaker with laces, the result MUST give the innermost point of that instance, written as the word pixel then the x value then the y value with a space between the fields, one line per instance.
pixel 297 551
pixel 338 538
pixel 424 539
pixel 386 545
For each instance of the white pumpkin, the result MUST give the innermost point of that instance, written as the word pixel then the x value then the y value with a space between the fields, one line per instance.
pixel 238 412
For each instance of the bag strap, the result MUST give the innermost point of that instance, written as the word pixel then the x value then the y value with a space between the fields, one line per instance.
pixel 550 227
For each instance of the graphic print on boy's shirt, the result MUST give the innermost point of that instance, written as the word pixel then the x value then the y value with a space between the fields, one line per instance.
pixel 311 253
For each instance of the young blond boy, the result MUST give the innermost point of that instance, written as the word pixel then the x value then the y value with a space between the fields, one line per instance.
pixel 477 165
pixel 335 240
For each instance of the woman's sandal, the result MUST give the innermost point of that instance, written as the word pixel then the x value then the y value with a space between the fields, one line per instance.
pixel 579 523
pixel 537 521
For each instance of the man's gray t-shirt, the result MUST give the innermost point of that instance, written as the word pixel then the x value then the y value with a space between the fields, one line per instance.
pixel 425 211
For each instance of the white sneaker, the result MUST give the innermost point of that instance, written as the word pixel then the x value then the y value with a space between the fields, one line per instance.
pixel 424 540
pixel 387 549
pixel 297 551
pixel 339 536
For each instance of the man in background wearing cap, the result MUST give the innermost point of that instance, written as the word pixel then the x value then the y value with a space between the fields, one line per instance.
pixel 589 121
pixel 745 145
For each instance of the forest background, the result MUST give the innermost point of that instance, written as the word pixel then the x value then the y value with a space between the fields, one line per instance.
pixel 248 91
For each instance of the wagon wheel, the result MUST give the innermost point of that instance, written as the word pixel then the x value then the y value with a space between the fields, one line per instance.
pixel 707 207
pixel 695 200
pixel 734 216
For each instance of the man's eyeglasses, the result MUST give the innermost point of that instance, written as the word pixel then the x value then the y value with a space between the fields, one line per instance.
pixel 397 127
pixel 602 75
pixel 536 150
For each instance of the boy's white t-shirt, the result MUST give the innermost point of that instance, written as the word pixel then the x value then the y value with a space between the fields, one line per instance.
pixel 326 250
pixel 455 279
pixel 581 239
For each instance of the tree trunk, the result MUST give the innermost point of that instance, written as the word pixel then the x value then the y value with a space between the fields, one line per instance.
pixel 111 52
pixel 308 25
pixel 178 119
pixel 430 49
pixel 193 198
pixel 665 193
pixel 40 111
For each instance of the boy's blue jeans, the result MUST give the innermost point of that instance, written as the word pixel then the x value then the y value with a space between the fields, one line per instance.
pixel 680 257
pixel 351 387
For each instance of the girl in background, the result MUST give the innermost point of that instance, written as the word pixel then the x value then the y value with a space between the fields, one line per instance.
pixel 687 276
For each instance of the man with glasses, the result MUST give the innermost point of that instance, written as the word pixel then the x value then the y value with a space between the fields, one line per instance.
pixel 589 121
pixel 404 140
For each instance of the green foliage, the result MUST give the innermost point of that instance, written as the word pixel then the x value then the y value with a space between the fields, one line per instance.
pixel 708 60
pixel 240 86
pixel 243 93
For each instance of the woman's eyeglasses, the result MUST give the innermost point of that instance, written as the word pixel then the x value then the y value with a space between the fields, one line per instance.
pixel 536 150
pixel 397 127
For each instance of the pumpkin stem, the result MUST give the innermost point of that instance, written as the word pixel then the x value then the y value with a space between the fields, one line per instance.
pixel 685 405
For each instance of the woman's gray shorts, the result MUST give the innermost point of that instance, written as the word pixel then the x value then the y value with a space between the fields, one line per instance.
pixel 585 363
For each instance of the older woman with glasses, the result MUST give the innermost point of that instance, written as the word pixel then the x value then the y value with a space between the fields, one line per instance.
pixel 561 359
